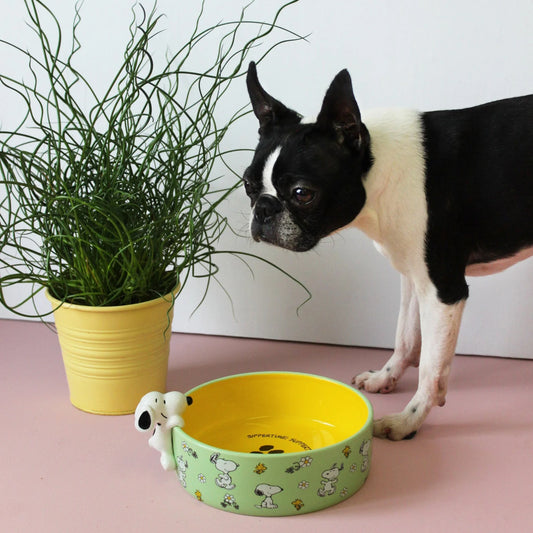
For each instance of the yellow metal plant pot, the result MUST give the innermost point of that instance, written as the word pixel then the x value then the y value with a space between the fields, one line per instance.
pixel 114 355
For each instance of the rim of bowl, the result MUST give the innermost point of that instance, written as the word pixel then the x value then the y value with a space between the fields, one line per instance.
pixel 362 429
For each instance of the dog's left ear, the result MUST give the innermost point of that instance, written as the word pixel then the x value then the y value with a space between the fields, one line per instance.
pixel 340 113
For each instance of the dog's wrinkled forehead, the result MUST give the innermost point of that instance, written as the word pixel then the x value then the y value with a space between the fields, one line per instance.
pixel 299 152
pixel 267 153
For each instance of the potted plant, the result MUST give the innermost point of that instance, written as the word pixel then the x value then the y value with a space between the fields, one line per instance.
pixel 112 206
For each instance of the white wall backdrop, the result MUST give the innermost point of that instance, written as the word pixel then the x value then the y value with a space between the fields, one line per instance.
pixel 413 53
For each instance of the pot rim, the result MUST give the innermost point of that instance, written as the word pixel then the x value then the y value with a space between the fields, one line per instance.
pixel 56 304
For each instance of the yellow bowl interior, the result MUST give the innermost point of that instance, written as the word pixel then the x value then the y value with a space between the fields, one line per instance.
pixel 274 413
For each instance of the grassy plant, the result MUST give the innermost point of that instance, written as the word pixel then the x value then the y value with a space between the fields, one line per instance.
pixel 111 203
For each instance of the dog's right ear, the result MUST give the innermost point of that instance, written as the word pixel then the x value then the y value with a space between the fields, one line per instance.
pixel 268 110
pixel 340 113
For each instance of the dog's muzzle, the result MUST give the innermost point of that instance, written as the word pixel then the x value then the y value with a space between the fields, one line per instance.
pixel 266 208
pixel 272 223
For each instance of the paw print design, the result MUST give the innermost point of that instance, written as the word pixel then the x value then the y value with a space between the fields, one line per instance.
pixel 267 448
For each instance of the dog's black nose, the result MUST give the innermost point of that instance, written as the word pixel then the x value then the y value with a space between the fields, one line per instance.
pixel 266 208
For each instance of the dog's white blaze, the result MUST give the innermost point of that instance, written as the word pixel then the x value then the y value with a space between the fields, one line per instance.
pixel 268 186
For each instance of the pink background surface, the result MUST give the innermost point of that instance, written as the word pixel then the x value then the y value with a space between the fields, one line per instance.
pixel 469 469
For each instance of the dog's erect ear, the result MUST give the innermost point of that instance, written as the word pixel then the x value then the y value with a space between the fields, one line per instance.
pixel 268 110
pixel 340 113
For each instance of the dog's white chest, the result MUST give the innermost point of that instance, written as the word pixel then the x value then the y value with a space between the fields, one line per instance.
pixel 395 213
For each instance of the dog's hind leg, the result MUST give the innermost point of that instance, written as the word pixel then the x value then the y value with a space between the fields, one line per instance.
pixel 440 324
pixel 407 346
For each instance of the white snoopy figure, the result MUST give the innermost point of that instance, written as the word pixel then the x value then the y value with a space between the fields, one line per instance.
pixel 182 470
pixel 329 481
pixel 160 413
pixel 224 466
pixel 266 490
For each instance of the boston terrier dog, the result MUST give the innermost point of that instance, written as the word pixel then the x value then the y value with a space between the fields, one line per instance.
pixel 442 194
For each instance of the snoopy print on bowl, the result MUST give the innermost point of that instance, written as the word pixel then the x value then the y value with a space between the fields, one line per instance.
pixel 224 466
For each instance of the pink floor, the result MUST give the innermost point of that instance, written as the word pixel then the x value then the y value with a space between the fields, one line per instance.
pixel 469 469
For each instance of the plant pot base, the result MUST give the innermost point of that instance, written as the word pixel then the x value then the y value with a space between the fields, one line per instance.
pixel 113 396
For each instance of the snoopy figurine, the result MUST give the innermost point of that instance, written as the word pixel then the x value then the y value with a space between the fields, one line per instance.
pixel 160 413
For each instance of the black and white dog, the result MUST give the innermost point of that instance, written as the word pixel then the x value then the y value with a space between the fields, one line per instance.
pixel 442 194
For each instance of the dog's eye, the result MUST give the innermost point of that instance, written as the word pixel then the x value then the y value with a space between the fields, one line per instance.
pixel 247 187
pixel 303 196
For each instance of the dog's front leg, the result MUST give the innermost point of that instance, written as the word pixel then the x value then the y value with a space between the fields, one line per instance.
pixel 439 327
pixel 406 347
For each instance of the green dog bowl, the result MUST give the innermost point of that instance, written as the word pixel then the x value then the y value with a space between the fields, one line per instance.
pixel 274 443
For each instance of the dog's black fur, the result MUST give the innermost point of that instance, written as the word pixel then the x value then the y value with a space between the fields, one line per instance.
pixel 479 208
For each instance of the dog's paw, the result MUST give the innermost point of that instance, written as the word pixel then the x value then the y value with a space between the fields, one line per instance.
pixel 375 381
pixel 398 426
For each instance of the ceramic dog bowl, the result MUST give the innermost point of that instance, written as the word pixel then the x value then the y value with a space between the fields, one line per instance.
pixel 274 443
